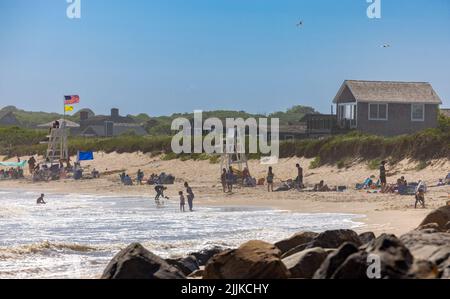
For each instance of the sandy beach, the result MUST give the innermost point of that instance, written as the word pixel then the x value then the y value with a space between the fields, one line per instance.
pixel 384 213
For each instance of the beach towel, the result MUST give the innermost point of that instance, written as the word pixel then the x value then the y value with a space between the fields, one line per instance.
pixel 14 164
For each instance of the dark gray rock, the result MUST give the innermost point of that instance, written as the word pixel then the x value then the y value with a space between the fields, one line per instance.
pixel 136 262
pixel 186 265
pixel 296 240
pixel 205 255
pixel 367 237
pixel 304 264
pixel 354 267
pixel 396 259
pixel 335 260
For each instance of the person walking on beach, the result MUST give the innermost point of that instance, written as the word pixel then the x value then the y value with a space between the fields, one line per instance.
pixel 139 177
pixel 160 193
pixel 383 179
pixel 190 196
pixel 40 200
pixel 230 179
pixel 182 202
pixel 270 178
pixel 31 164
pixel 420 198
pixel 223 180
pixel 299 177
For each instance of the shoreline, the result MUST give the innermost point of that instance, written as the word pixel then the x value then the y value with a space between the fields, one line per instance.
pixel 384 213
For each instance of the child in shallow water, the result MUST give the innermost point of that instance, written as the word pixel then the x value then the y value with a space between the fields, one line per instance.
pixel 182 202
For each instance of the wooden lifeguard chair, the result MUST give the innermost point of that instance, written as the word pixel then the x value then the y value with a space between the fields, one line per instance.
pixel 234 152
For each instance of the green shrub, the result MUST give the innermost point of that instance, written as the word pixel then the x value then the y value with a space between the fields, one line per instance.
pixel 315 163
pixel 374 164
pixel 422 165
pixel 215 159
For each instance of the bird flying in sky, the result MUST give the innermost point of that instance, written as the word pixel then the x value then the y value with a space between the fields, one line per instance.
pixel 300 24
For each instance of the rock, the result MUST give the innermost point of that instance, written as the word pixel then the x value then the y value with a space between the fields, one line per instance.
pixel 422 269
pixel 296 240
pixel 186 265
pixel 334 260
pixel 430 228
pixel 328 239
pixel 253 260
pixel 440 216
pixel 136 262
pixel 304 264
pixel 395 258
pixel 433 247
pixel 334 239
pixel 367 237
pixel 197 274
pixel 205 255
pixel 447 226
pixel 354 267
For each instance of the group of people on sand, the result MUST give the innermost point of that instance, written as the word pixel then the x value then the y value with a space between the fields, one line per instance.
pixel 402 185
pixel 11 173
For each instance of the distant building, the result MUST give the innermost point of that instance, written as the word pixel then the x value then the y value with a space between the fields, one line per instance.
pixel 7 118
pixel 320 125
pixel 387 108
pixel 108 125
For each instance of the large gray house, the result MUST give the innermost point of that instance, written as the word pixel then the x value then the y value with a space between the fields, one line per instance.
pixel 387 108
pixel 107 125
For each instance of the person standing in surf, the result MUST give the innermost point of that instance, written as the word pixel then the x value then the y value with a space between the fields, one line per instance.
pixel 190 196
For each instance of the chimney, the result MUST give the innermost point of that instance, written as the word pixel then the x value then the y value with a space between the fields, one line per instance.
pixel 84 115
pixel 114 113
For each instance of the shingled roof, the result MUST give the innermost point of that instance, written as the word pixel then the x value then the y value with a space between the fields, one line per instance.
pixel 388 92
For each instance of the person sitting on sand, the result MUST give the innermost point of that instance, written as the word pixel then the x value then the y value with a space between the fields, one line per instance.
pixel 160 193
pixel 182 202
pixel 128 181
pixel 95 174
pixel 270 178
pixel 40 200
pixel 223 180
pixel 420 198
pixel 321 187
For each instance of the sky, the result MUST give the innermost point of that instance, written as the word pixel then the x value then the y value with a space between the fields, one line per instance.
pixel 165 56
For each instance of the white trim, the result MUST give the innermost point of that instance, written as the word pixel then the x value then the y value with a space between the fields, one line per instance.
pixel 423 113
pixel 378 112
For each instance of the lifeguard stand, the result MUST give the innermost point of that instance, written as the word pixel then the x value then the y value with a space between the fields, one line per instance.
pixel 57 149
pixel 234 152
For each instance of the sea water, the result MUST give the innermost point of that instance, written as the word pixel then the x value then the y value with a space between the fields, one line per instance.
pixel 75 236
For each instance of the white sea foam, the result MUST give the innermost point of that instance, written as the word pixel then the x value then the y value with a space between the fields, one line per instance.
pixel 75 236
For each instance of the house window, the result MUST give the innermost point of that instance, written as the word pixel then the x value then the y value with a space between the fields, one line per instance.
pixel 417 112
pixel 378 111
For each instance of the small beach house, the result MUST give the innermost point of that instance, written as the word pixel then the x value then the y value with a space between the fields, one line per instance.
pixel 387 108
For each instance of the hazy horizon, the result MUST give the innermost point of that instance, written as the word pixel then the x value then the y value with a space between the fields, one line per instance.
pixel 165 57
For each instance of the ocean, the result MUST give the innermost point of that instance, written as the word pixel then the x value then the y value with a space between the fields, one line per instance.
pixel 75 236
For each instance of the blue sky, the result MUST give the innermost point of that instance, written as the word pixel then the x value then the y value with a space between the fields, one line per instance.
pixel 165 56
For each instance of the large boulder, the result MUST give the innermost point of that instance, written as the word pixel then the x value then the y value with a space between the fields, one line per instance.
pixel 334 239
pixel 430 246
pixel 328 239
pixel 253 260
pixel 354 267
pixel 186 265
pixel 305 263
pixel 440 216
pixel 205 255
pixel 136 262
pixel 296 240
pixel 395 258
pixel 335 260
